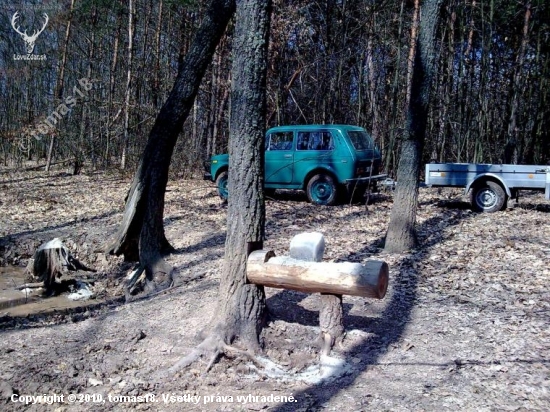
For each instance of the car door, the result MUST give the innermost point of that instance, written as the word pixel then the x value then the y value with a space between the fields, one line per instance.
pixel 314 149
pixel 279 157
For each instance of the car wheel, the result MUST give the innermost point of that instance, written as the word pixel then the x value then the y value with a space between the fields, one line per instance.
pixel 221 183
pixel 322 190
pixel 488 197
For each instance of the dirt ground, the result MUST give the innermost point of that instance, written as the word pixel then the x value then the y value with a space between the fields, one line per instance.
pixel 465 324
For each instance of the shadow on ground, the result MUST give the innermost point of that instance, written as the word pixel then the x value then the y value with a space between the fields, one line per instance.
pixel 280 303
pixel 385 330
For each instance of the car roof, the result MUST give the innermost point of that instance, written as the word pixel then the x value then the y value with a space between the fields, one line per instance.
pixel 310 127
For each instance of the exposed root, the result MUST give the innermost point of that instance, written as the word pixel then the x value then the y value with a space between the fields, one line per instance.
pixel 214 359
pixel 213 347
pixel 141 284
pixel 35 285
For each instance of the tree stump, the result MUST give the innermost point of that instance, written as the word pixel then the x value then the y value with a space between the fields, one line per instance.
pixel 51 260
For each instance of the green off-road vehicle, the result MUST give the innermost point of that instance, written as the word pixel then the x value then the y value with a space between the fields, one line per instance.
pixel 322 160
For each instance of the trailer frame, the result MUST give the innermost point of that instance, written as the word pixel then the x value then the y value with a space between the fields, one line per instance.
pixel 490 185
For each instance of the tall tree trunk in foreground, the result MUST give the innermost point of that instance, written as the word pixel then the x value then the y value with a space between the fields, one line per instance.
pixel 241 306
pixel 141 233
pixel 401 233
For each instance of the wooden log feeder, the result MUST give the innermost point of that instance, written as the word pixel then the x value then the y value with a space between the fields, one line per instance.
pixel 303 271
pixel 369 280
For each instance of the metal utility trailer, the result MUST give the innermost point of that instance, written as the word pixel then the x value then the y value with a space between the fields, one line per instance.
pixel 490 185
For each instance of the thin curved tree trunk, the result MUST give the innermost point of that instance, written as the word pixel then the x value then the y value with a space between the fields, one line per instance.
pixel 60 84
pixel 141 233
pixel 126 138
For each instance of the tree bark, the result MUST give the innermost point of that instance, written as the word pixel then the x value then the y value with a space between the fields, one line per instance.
pixel 331 320
pixel 412 50
pixel 141 233
pixel 401 233
pixel 389 153
pixel 112 90
pixel 511 154
pixel 60 82
pixel 241 307
pixel 126 138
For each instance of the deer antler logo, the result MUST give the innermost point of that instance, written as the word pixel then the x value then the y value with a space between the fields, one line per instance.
pixel 29 40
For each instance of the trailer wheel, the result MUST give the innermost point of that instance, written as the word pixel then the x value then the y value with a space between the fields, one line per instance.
pixel 488 197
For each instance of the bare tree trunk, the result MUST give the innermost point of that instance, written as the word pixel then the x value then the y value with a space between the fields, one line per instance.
pixel 241 306
pixel 401 233
pixel 141 233
pixel 112 78
pixel 156 81
pixel 60 82
pixel 218 119
pixel 511 154
pixel 374 107
pixel 412 49
pixel 126 139
pixel 389 154
pixel 471 31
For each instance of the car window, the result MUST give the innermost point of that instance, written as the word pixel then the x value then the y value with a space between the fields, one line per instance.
pixel 361 140
pixel 279 141
pixel 315 141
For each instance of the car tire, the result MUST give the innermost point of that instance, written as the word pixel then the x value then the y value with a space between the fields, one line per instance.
pixel 269 192
pixel 488 197
pixel 322 190
pixel 221 184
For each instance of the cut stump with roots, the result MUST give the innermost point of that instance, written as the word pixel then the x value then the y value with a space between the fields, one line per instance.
pixel 51 260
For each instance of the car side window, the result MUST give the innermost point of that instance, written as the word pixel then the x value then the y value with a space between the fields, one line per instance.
pixel 279 141
pixel 315 141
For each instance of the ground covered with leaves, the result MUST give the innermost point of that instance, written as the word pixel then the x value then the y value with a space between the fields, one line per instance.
pixel 464 326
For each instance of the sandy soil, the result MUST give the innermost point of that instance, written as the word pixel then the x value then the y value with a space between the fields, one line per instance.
pixel 464 326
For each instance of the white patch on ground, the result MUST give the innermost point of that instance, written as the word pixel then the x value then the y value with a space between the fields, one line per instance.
pixel 328 369
pixel 83 292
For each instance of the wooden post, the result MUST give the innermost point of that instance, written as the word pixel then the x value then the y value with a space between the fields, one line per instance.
pixel 310 247
pixel 331 321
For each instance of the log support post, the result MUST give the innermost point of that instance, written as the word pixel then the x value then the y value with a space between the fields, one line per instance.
pixel 304 271
pixel 331 321
pixel 310 247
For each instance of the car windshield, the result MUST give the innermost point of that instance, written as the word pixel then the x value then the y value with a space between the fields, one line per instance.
pixel 360 140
